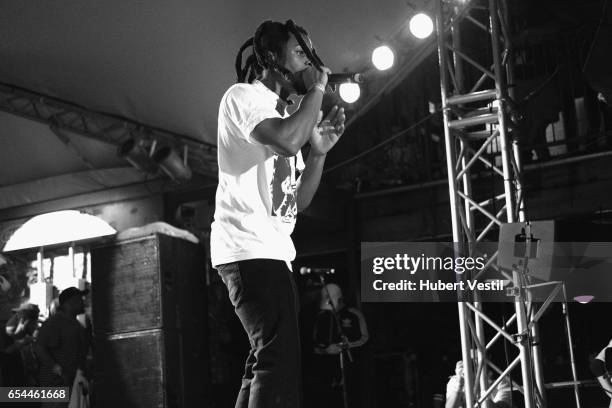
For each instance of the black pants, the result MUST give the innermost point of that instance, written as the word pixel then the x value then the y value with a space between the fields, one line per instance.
pixel 264 295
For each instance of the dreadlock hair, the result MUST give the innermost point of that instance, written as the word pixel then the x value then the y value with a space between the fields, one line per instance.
pixel 270 37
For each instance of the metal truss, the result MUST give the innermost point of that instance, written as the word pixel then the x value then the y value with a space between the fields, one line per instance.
pixel 65 116
pixel 476 114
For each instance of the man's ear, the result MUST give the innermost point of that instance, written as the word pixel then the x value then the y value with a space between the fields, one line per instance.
pixel 271 56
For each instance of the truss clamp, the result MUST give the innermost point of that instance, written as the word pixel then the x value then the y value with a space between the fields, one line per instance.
pixel 515 292
pixel 521 338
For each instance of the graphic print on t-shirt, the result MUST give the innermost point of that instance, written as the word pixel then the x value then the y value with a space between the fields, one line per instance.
pixel 282 189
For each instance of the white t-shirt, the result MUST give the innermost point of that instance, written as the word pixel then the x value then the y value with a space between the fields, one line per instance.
pixel 255 206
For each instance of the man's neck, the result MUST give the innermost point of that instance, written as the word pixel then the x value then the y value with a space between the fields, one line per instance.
pixel 272 83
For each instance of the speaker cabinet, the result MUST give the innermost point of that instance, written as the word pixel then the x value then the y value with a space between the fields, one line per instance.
pixel 149 317
pixel 135 370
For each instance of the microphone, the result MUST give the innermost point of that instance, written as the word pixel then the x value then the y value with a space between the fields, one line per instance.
pixel 356 77
pixel 305 270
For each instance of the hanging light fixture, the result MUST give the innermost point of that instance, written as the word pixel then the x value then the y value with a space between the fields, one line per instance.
pixel 349 92
pixel 170 162
pixel 421 25
pixel 383 57
pixel 136 154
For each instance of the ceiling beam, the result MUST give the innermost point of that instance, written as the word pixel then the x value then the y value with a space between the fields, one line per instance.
pixel 64 138
pixel 107 128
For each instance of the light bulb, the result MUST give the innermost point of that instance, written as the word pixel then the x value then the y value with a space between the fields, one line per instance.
pixel 349 92
pixel 383 58
pixel 421 25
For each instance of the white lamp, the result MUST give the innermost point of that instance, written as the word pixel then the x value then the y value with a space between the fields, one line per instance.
pixel 349 92
pixel 421 25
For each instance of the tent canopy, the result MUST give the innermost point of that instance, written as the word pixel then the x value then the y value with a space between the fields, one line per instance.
pixel 163 64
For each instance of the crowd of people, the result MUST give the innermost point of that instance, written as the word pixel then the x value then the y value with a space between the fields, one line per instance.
pixel 48 354
pixel 53 353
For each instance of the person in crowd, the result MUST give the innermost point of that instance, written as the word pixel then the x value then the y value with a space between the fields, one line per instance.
pixel 22 328
pixel 501 397
pixel 354 327
pixel 61 345
pixel 338 329
pixel 24 322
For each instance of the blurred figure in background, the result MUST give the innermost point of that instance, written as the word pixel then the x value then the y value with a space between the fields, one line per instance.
pixel 501 397
pixel 326 335
pixel 20 365
pixel 61 345
pixel 334 337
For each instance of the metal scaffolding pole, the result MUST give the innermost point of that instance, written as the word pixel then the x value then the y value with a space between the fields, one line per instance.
pixel 454 198
pixel 476 119
pixel 481 369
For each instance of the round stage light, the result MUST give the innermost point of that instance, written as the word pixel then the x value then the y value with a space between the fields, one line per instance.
pixel 383 57
pixel 421 25
pixel 349 92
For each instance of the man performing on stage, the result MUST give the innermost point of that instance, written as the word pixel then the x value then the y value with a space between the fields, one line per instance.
pixel 260 191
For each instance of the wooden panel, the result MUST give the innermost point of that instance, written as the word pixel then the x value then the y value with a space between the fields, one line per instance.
pixel 133 372
pixel 126 287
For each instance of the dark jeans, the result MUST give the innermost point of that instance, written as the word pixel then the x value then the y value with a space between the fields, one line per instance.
pixel 264 295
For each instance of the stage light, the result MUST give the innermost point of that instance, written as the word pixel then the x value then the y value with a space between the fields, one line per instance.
pixel 383 57
pixel 421 25
pixel 170 162
pixel 349 92
pixel 137 156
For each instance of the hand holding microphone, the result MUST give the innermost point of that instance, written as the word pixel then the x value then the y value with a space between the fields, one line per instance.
pixel 313 78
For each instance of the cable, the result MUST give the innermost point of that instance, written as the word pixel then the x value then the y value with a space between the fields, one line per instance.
pixel 603 16
pixel 540 87
pixel 384 142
